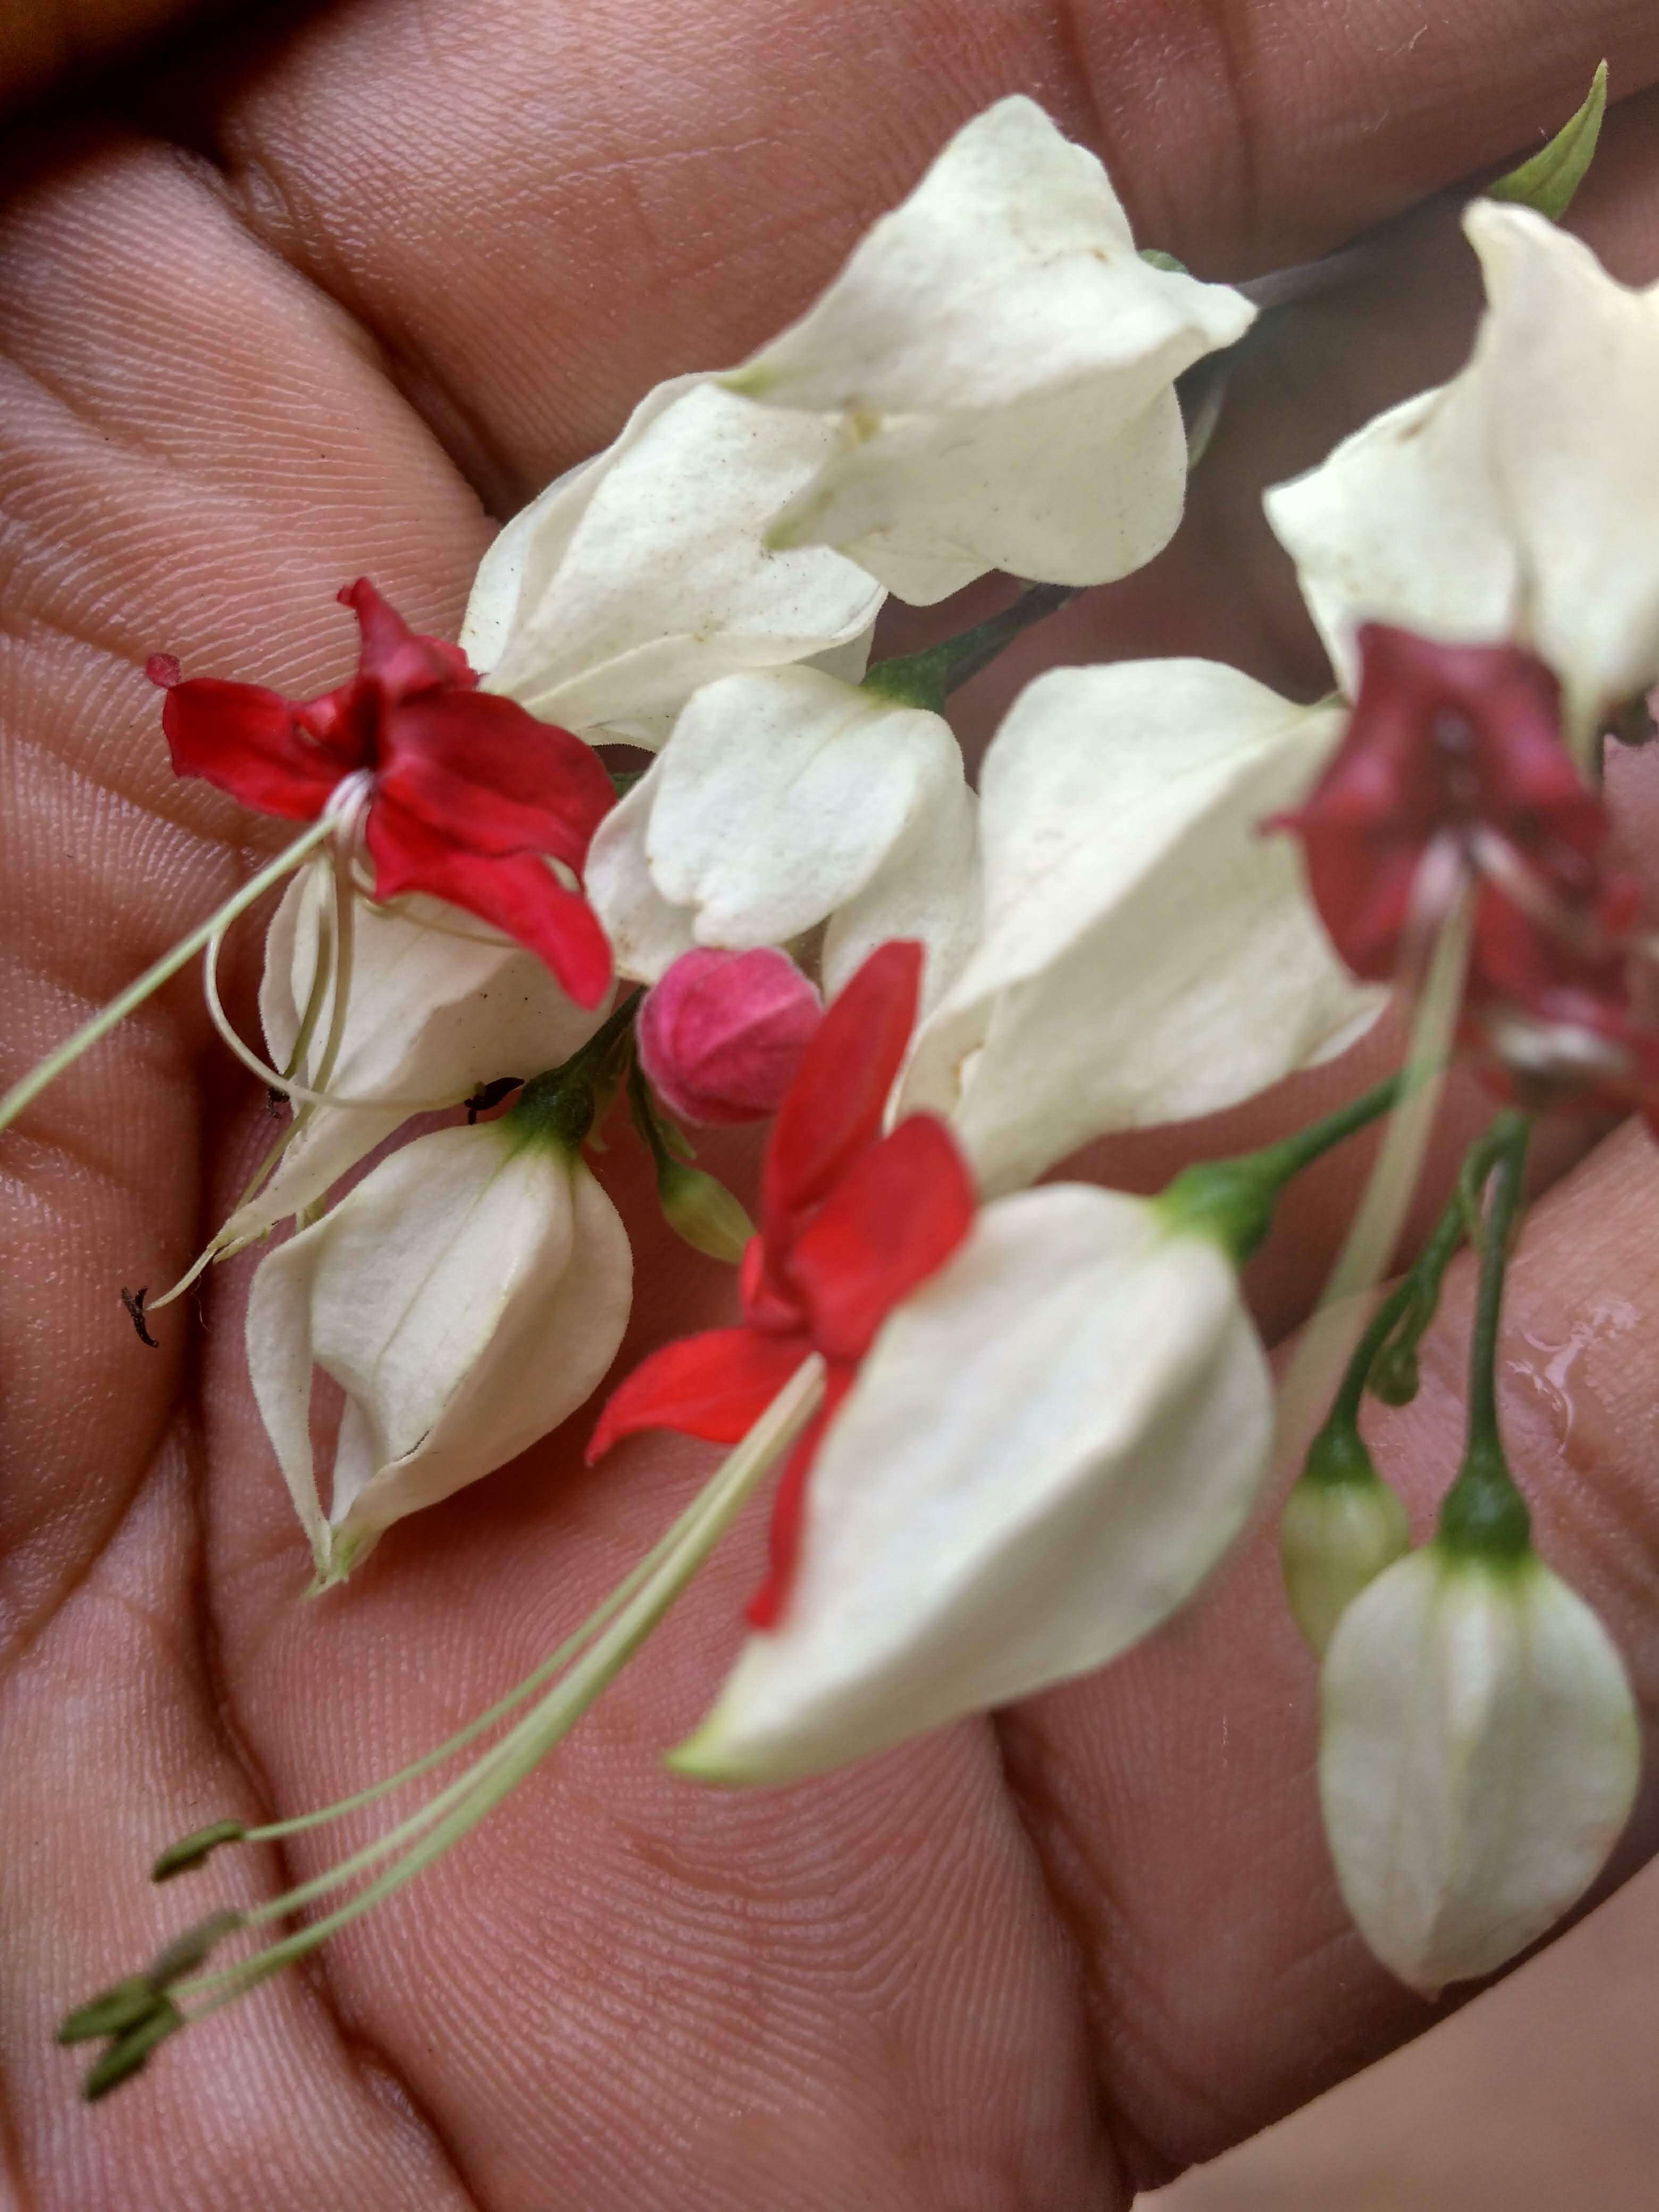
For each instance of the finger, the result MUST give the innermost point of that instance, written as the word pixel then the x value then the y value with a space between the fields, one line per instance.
pixel 545 245
pixel 1227 1984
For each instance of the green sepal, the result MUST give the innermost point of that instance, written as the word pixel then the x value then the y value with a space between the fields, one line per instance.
pixel 1156 258
pixel 1548 180
pixel 1230 1200
pixel 1484 1516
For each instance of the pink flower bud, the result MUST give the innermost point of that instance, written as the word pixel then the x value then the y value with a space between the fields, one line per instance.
pixel 721 1035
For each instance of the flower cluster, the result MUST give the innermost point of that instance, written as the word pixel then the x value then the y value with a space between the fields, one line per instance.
pixel 1019 1426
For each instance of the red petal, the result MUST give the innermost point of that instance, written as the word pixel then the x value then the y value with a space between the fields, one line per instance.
pixel 789 1507
pixel 401 660
pixel 894 1219
pixel 715 1386
pixel 521 895
pixel 249 742
pixel 488 775
pixel 834 1107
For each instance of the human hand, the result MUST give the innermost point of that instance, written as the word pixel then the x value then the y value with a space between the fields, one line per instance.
pixel 411 266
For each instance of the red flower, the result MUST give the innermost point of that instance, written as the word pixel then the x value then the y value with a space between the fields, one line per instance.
pixel 469 792
pixel 852 1223
pixel 1455 751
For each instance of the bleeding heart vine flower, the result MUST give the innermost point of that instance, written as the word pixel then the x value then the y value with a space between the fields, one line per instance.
pixel 996 364
pixel 461 794
pixel 1145 956
pixel 467 1296
pixel 783 801
pixel 851 1223
pixel 1515 504
pixel 1049 1445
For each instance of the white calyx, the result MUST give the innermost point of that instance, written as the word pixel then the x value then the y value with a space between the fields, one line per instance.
pixel 1515 503
pixel 1046 1451
pixel 1147 954
pixel 996 364
pixel 467 1296
pixel 784 800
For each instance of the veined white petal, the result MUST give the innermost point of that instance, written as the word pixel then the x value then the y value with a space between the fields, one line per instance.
pixel 438 1005
pixel 644 574
pixel 1046 1451
pixel 467 1296
pixel 1478 1757
pixel 1146 955
pixel 998 361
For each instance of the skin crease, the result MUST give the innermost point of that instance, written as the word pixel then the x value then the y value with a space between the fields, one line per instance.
pixel 410 261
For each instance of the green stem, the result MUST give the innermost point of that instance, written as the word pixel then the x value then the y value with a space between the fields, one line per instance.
pixel 927 678
pixel 1484 1514
pixel 24 1094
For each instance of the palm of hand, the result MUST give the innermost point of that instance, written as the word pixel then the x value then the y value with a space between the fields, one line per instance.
pixel 1027 1962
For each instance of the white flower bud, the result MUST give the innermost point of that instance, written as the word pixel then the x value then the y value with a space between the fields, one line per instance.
pixel 998 366
pixel 1478 1757
pixel 1341 1526
pixel 1046 1451
pixel 467 1296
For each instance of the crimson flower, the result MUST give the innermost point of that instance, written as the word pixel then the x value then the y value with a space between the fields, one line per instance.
pixel 469 795
pixel 1453 764
pixel 852 1223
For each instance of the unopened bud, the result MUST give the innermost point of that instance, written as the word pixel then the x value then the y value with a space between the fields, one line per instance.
pixel 702 1211
pixel 1394 1377
pixel 1479 1754
pixel 721 1035
pixel 1342 1525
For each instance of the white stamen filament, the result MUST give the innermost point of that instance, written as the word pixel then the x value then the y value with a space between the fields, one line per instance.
pixel 47 1070
pixel 631 1612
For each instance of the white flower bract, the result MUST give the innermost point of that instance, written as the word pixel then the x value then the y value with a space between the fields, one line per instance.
pixel 467 1296
pixel 1515 503
pixel 997 366
pixel 438 1004
pixel 785 799
pixel 1045 1453
pixel 1478 1757
pixel 1147 954
pixel 642 574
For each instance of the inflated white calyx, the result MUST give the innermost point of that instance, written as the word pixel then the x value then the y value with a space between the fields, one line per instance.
pixel 1147 954
pixel 1478 1757
pixel 1513 504
pixel 467 1296
pixel 784 800
pixel 996 364
pixel 1045 1453
pixel 643 574
pixel 438 1004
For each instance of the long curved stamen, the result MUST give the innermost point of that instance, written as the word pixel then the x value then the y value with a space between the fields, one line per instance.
pixel 1330 1335
pixel 501 1770
pixel 24 1094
